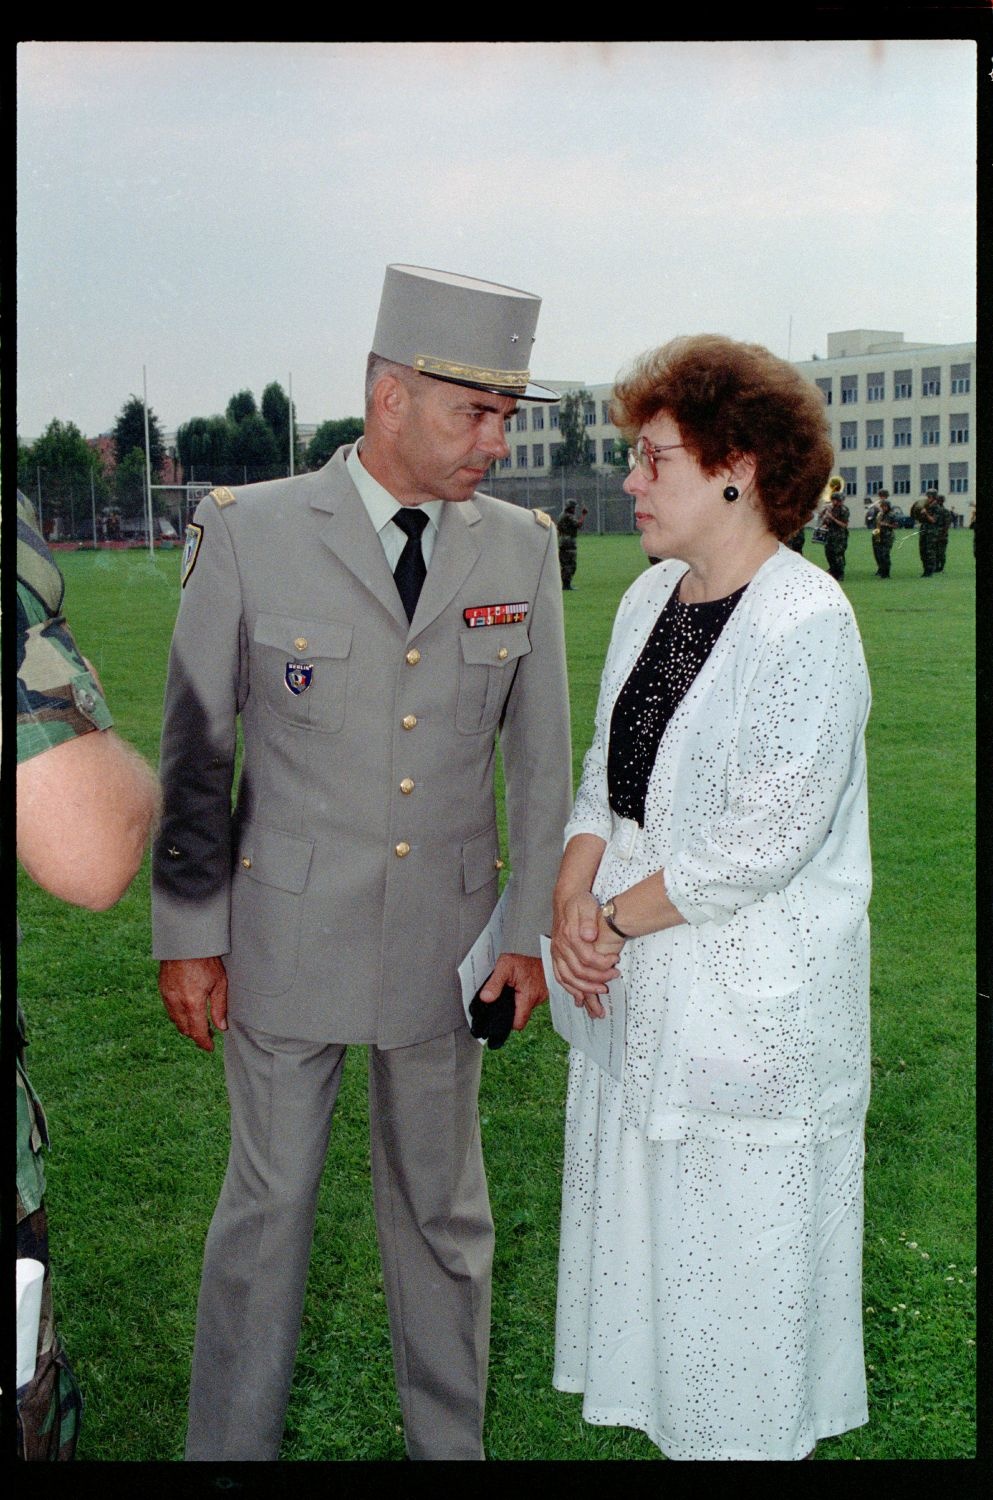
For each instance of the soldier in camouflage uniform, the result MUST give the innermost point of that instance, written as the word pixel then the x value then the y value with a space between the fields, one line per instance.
pixel 836 542
pixel 941 534
pixel 929 522
pixel 57 699
pixel 568 525
pixel 882 537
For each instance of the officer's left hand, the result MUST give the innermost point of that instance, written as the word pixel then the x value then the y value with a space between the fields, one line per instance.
pixel 526 977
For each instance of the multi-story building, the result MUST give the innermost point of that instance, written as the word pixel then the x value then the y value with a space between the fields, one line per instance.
pixel 902 418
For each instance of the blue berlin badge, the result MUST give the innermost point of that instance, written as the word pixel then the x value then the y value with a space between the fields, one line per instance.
pixel 299 675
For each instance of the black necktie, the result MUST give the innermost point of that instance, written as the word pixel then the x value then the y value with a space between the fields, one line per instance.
pixel 411 569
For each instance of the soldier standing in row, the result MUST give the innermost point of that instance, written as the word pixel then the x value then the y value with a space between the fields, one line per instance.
pixel 941 535
pixel 835 521
pixel 882 536
pixel 568 527
pixel 929 523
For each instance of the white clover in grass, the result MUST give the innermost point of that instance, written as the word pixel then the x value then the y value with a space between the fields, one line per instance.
pixel 924 1255
pixel 949 1278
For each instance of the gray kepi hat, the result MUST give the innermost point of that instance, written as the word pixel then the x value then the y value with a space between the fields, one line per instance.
pixel 455 328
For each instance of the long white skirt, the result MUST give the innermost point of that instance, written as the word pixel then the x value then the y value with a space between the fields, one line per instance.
pixel 709 1292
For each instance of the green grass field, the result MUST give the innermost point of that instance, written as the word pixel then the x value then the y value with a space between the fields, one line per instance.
pixel 139 1120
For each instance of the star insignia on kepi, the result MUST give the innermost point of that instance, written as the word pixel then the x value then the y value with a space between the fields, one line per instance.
pixel 514 338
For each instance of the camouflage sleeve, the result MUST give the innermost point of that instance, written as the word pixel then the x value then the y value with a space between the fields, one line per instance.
pixel 57 696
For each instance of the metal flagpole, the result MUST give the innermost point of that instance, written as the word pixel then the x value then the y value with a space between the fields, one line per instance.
pixel 291 424
pixel 148 469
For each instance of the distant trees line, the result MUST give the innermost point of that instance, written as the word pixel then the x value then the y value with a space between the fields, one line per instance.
pixel 67 480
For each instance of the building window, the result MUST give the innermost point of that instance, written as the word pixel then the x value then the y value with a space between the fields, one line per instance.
pixel 873 434
pixel 538 455
pixel 522 455
pixel 958 479
pixel 824 386
pixel 589 414
pixel 849 390
pixel 929 478
pixel 553 448
pixel 901 479
pixel 930 433
pixel 874 388
pixel 605 413
pixel 959 428
pixel 608 450
pixel 538 418
pixel 505 462
pixel 521 420
pixel 849 435
pixel 506 424
pixel 850 476
pixel 873 480
pixel 902 435
pixel 961 380
pixel 931 381
pixel 553 417
pixel 902 385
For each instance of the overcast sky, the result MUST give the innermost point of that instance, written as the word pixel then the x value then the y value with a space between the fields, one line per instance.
pixel 221 213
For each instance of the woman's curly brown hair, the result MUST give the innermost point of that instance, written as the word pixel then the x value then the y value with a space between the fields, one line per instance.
pixel 730 400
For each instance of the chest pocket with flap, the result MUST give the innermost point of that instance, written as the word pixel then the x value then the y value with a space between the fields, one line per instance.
pixel 489 660
pixel 300 667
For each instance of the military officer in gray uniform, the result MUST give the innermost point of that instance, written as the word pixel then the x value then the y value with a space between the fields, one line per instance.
pixel 362 859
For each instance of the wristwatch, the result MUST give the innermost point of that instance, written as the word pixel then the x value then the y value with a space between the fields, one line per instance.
pixel 607 911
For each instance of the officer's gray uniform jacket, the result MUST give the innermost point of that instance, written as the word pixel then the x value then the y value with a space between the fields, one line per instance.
pixel 362 860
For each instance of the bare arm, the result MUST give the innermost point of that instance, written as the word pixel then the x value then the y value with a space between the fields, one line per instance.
pixel 85 809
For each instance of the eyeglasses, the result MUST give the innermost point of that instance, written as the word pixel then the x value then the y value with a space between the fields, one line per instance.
pixel 642 455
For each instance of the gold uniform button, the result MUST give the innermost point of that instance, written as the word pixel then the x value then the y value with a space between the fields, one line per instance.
pixel 301 643
pixel 413 656
pixel 402 849
pixel 498 864
pixel 406 786
pixel 409 721
pixel 247 862
pixel 502 654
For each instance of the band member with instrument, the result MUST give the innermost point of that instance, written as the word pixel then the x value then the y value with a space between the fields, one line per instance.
pixel 833 520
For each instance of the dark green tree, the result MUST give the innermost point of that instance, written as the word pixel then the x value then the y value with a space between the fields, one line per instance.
pixel 204 445
pixel 63 463
pixel 129 483
pixel 330 436
pixel 276 411
pixel 129 432
pixel 571 452
pixel 253 450
pixel 241 405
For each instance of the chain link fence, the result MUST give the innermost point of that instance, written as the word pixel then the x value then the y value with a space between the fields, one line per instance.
pixel 598 491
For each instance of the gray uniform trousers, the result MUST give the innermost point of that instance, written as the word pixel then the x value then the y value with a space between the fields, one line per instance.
pixel 434 1228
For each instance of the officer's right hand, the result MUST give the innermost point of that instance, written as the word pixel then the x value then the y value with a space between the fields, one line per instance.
pixel 195 993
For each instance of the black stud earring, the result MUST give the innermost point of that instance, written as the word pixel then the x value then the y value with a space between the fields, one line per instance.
pixel 730 492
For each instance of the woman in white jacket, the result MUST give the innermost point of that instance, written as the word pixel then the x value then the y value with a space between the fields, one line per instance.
pixel 718 859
